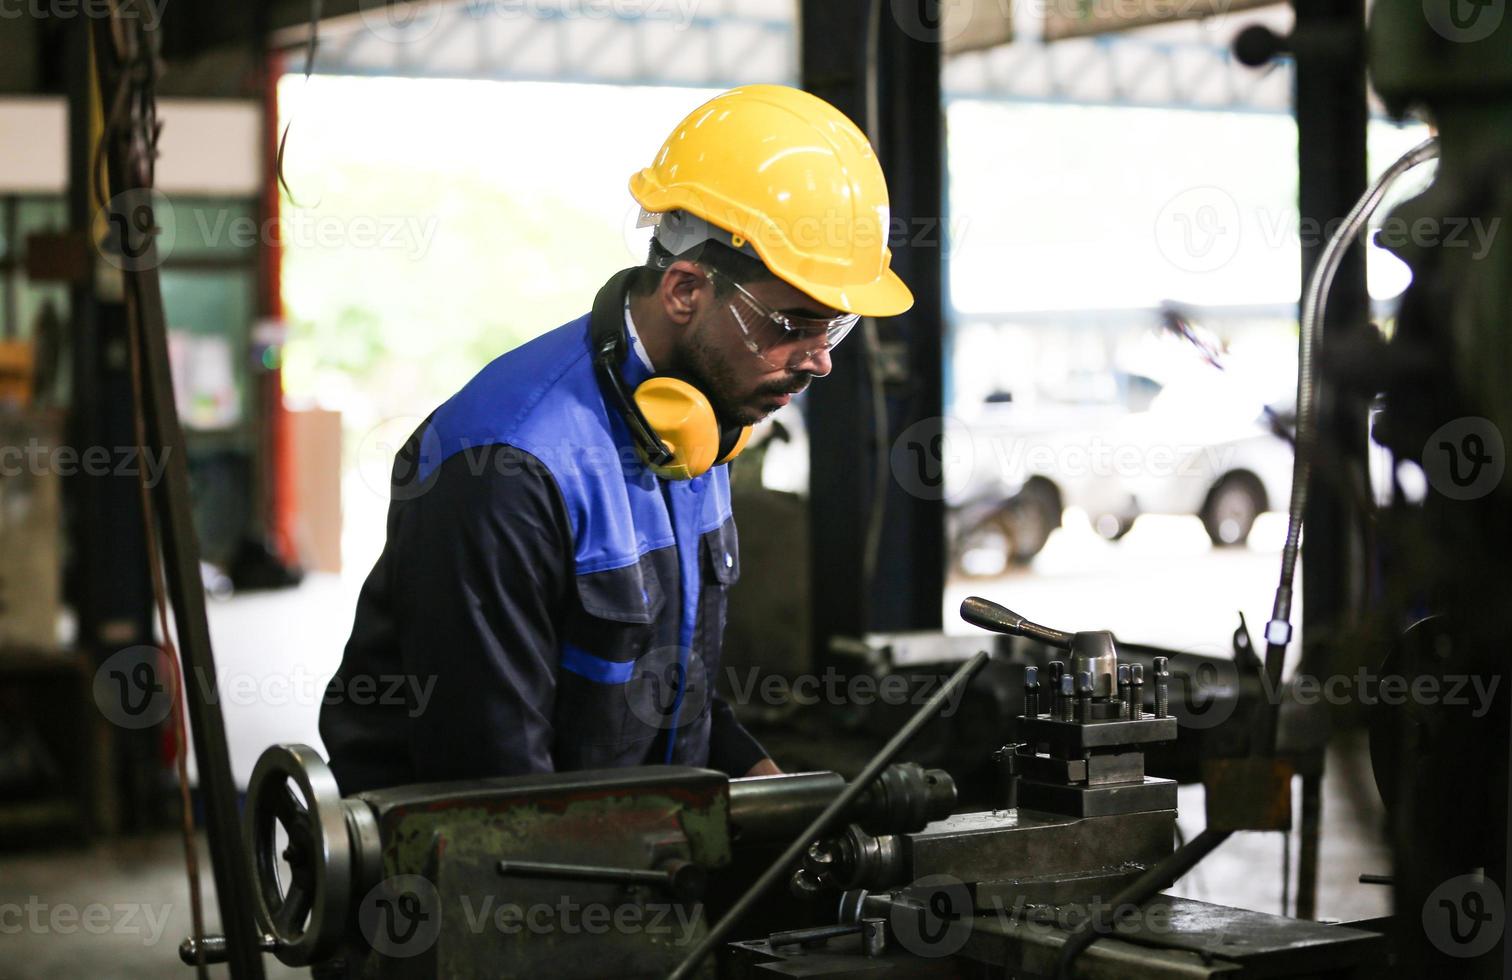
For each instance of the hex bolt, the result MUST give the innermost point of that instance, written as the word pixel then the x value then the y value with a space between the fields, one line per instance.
pixel 1031 692
pixel 1136 691
pixel 1125 708
pixel 1067 699
pixel 1057 671
pixel 1162 688
pixel 1083 696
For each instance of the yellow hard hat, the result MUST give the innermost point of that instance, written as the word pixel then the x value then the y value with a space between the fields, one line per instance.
pixel 787 174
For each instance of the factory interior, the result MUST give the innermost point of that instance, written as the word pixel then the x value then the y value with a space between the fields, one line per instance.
pixel 755 488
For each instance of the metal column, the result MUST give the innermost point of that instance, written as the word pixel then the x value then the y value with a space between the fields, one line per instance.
pixel 1332 115
pixel 905 119
pixel 106 575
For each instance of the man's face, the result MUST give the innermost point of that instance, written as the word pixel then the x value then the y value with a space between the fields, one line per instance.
pixel 744 387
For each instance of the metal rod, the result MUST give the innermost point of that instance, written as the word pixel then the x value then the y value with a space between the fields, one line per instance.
pixel 821 823
pixel 584 872
pixel 1140 891
pixel 1307 855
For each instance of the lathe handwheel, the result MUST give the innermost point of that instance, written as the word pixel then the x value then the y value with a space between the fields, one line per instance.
pixel 306 918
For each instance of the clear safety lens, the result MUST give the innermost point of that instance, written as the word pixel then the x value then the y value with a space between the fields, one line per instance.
pixel 784 339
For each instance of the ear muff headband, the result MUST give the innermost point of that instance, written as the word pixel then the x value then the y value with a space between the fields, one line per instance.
pixel 674 427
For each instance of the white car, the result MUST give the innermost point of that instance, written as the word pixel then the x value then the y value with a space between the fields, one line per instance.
pixel 1202 449
pixel 1197 447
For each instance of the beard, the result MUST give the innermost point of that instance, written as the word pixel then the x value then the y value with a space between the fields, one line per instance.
pixel 703 365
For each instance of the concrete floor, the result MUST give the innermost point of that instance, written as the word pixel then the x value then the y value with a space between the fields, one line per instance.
pixel 120 908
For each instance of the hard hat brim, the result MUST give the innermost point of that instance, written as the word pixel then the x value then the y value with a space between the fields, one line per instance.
pixel 886 296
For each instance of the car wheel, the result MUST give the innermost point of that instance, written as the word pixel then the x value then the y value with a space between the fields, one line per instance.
pixel 983 550
pixel 1011 535
pixel 1031 516
pixel 1112 527
pixel 1231 508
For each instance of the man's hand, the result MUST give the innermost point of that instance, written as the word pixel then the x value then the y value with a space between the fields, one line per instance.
pixel 766 767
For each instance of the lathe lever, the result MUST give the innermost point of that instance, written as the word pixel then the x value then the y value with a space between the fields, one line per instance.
pixel 999 619
pixel 683 879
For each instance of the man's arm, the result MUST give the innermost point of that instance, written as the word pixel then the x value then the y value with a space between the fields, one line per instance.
pixel 480 575
pixel 732 749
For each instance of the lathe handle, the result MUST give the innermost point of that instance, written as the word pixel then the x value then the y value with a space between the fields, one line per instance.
pixel 991 616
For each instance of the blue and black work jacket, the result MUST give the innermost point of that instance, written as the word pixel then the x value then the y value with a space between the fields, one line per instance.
pixel 543 601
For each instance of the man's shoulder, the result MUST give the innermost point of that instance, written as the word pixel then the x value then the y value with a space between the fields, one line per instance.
pixel 540 397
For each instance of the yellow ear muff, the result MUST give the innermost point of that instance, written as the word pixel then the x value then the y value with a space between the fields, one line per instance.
pixel 683 419
pixel 740 443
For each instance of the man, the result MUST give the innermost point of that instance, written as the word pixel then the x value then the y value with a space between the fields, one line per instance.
pixel 559 537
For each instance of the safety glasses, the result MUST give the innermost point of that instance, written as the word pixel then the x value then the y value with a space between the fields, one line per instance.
pixel 780 339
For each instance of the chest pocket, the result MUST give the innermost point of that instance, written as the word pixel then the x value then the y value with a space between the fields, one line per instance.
pixel 620 617
pixel 720 555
